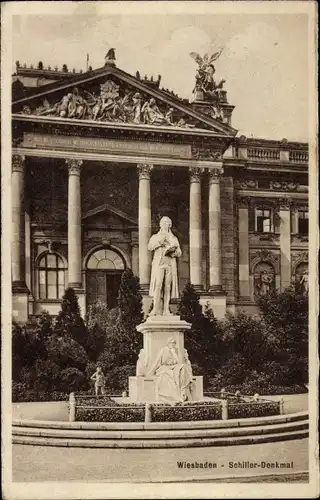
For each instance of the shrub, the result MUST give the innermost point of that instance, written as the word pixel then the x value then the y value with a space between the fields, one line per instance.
pixel 21 393
pixel 110 412
pixel 185 412
pixel 253 409
pixel 66 352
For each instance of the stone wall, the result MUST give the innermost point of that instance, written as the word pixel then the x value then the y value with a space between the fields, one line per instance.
pixel 229 237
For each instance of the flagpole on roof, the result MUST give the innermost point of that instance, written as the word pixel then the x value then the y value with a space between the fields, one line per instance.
pixel 87 61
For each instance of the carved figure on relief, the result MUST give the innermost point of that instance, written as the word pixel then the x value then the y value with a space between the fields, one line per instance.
pixel 109 105
pixel 266 281
pixel 173 372
pixel 164 276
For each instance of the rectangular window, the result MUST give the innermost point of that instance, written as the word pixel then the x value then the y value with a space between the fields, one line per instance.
pixel 52 292
pixel 303 222
pixel 263 221
pixel 42 291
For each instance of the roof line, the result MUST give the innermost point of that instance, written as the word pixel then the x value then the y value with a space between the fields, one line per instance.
pixel 138 83
pixel 107 207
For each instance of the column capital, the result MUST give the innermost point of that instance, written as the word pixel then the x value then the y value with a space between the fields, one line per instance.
pixel 74 166
pixel 284 203
pixel 244 202
pixel 195 173
pixel 144 170
pixel 214 175
pixel 17 163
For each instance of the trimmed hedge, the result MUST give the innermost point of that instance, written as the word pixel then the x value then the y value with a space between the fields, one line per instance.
pixel 185 412
pixel 112 413
pixel 253 409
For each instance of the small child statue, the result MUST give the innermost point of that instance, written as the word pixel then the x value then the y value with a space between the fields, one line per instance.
pixel 99 381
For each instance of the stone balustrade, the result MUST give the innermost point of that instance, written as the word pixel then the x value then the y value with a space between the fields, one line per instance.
pixel 298 156
pixel 271 151
pixel 263 154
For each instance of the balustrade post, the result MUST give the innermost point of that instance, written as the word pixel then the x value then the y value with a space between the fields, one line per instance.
pixel 224 409
pixel 72 407
pixel 147 413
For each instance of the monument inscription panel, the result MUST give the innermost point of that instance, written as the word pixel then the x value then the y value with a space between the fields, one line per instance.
pixel 114 146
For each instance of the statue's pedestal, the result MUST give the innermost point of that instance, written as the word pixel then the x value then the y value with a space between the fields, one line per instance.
pixel 143 389
pixel 156 332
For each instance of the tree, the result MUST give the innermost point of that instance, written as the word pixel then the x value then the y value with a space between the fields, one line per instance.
pixel 286 318
pixel 189 305
pixel 97 321
pixel 130 299
pixel 69 321
pixel 203 340
pixel 123 342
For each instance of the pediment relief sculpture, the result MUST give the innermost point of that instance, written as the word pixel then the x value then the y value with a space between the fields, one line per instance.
pixel 113 103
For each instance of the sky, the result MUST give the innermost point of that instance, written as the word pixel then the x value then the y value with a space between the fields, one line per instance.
pixel 264 61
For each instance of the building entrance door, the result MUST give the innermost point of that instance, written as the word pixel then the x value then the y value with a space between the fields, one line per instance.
pixel 103 286
pixel 103 276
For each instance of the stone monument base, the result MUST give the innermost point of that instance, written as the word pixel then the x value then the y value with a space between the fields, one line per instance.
pixel 143 390
pixel 156 331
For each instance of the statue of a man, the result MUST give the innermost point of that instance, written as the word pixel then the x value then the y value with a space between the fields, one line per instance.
pixel 164 276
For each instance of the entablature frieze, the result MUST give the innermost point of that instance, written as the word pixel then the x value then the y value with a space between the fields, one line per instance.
pixel 251 198
pixel 202 139
pixel 132 159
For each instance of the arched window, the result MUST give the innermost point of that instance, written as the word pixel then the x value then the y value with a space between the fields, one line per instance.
pixel 51 276
pixel 105 259
pixel 104 269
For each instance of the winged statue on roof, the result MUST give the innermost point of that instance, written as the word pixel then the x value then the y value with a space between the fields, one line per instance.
pixel 205 81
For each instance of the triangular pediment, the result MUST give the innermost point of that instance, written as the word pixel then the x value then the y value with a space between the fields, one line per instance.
pixel 114 215
pixel 110 95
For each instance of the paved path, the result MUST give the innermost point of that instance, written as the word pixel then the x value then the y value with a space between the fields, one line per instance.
pixel 37 463
pixel 53 410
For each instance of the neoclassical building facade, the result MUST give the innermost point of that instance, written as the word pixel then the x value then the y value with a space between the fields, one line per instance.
pixel 98 157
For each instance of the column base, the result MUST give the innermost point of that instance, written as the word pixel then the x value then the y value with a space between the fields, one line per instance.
pixel 217 302
pixel 216 290
pixel 198 288
pixel 19 287
pixel 75 285
pixel 245 299
pixel 20 302
pixel 145 288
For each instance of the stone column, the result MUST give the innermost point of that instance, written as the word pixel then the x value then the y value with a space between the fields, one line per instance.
pixel 144 220
pixel 285 244
pixel 215 278
pixel 74 224
pixel 195 228
pixel 18 222
pixel 19 289
pixel 134 253
pixel 243 241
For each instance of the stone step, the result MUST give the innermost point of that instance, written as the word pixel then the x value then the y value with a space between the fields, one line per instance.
pixel 203 424
pixel 160 434
pixel 159 443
